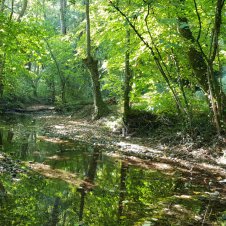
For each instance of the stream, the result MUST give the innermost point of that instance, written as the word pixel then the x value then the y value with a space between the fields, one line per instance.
pixel 70 182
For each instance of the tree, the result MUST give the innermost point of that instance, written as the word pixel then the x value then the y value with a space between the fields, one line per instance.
pixel 162 49
pixel 100 107
pixel 127 82
pixel 202 62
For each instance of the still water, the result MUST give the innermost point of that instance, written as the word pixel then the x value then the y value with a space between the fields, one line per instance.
pixel 74 183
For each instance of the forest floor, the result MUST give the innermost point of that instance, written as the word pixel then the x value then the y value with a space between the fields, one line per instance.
pixel 162 144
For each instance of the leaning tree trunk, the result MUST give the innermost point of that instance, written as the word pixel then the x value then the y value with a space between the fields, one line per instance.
pixel 100 108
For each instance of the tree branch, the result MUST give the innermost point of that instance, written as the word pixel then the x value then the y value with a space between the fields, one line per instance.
pixel 152 40
pixel 199 19
pixel 2 6
pixel 23 10
pixel 216 29
pixel 12 10
pixel 156 59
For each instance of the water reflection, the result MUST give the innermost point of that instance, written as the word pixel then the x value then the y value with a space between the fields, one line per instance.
pixel 83 186
pixel 122 190
pixel 88 182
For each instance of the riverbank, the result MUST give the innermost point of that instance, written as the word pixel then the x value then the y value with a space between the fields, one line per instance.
pixel 155 141
pixel 163 145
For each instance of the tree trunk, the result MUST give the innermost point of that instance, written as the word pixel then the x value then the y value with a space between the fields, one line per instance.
pixel 53 90
pixel 2 6
pixel 127 85
pixel 23 10
pixel 63 5
pixel 35 93
pixel 59 71
pixel 156 55
pixel 63 90
pixel 1 137
pixel 2 65
pixel 2 58
pixel 100 108
pixel 203 70
pixel 195 57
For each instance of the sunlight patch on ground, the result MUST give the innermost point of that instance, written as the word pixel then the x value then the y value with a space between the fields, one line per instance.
pixel 222 159
pixel 61 126
pixel 162 166
pixel 136 148
pixel 39 107
pixel 114 125
pixel 149 165
pixel 2 157
pixel 47 171
pixel 183 196
pixel 57 157
pixel 180 208
pixel 143 163
pixel 53 140
pixel 216 171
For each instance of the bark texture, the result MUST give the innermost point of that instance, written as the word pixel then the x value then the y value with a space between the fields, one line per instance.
pixel 100 108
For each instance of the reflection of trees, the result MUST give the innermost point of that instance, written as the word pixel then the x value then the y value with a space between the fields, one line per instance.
pixel 88 183
pixel 55 212
pixel 6 138
pixel 24 146
pixel 122 191
pixel 2 193
pixel 10 135
pixel 146 192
